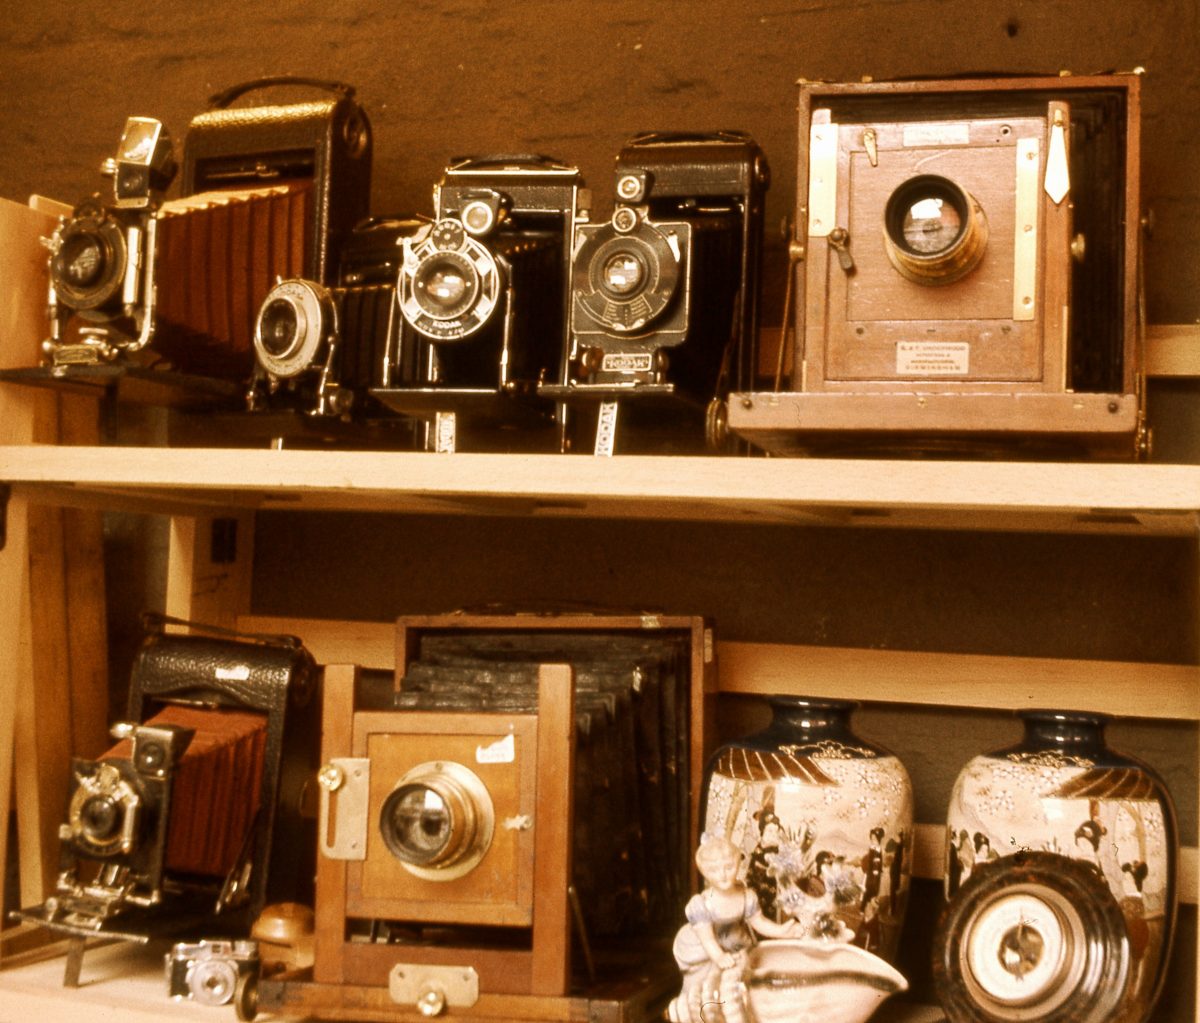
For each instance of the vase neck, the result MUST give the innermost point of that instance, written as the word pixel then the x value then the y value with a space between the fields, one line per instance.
pixel 1066 731
pixel 811 718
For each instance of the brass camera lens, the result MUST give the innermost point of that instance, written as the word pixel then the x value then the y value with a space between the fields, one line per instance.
pixel 419 821
pixel 438 821
pixel 623 274
pixel 278 327
pixel 933 230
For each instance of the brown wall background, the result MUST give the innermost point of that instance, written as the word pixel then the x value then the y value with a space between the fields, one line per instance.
pixel 575 79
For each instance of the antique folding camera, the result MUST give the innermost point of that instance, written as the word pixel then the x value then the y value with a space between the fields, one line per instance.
pixel 210 972
pixel 452 867
pixel 321 146
pixel 485 286
pixel 195 812
pixel 268 192
pixel 969 271
pixel 664 296
pixel 320 349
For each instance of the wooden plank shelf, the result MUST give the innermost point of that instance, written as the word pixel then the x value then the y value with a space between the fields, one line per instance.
pixel 1057 497
pixel 1120 688
pixel 125 984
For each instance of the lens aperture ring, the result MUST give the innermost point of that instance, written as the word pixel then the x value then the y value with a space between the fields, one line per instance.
pixel 626 280
pixel 88 268
pixel 295 320
pixel 450 284
pixel 934 231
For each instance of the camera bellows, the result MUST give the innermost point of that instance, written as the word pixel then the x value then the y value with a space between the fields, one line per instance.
pixel 219 254
pixel 215 794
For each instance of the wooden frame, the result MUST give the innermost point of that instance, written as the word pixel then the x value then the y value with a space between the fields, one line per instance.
pixel 841 393
pixel 541 971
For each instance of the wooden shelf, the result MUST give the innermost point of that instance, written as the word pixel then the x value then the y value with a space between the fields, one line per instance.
pixel 125 983
pixel 1058 497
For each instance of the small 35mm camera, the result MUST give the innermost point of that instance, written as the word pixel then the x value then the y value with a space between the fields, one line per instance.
pixel 969 272
pixel 210 972
pixel 319 350
pixel 484 285
pixel 664 295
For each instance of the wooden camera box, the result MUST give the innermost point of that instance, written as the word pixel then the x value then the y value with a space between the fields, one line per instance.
pixel 969 271
pixel 506 823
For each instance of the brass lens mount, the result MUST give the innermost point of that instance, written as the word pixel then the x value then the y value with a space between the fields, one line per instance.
pixel 438 821
pixel 934 231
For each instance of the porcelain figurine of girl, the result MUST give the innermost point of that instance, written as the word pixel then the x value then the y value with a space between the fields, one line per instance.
pixel 723 921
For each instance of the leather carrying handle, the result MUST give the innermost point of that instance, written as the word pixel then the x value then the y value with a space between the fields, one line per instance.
pixel 156 623
pixel 220 100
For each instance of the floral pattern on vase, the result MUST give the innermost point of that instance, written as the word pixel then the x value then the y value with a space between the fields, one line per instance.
pixel 824 822
pixel 1063 790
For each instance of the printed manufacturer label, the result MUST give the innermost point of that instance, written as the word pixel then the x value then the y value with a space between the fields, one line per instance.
pixel 445 433
pixel 932 358
pixel 628 362
pixel 606 429
pixel 937 133
pixel 502 751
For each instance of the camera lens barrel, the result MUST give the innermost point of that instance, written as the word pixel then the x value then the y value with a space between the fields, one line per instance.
pixel 294 321
pixel 934 231
pixel 449 283
pixel 88 270
pixel 103 815
pixel 630 273
pixel 438 820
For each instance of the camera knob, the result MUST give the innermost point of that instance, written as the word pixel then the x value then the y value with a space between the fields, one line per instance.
pixel 624 219
pixel 431 1001
pixel 331 777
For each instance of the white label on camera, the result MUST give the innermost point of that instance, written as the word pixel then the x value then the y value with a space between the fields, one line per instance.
pixel 606 429
pixel 628 362
pixel 445 430
pixel 937 133
pixel 502 751
pixel 932 358
pixel 240 673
